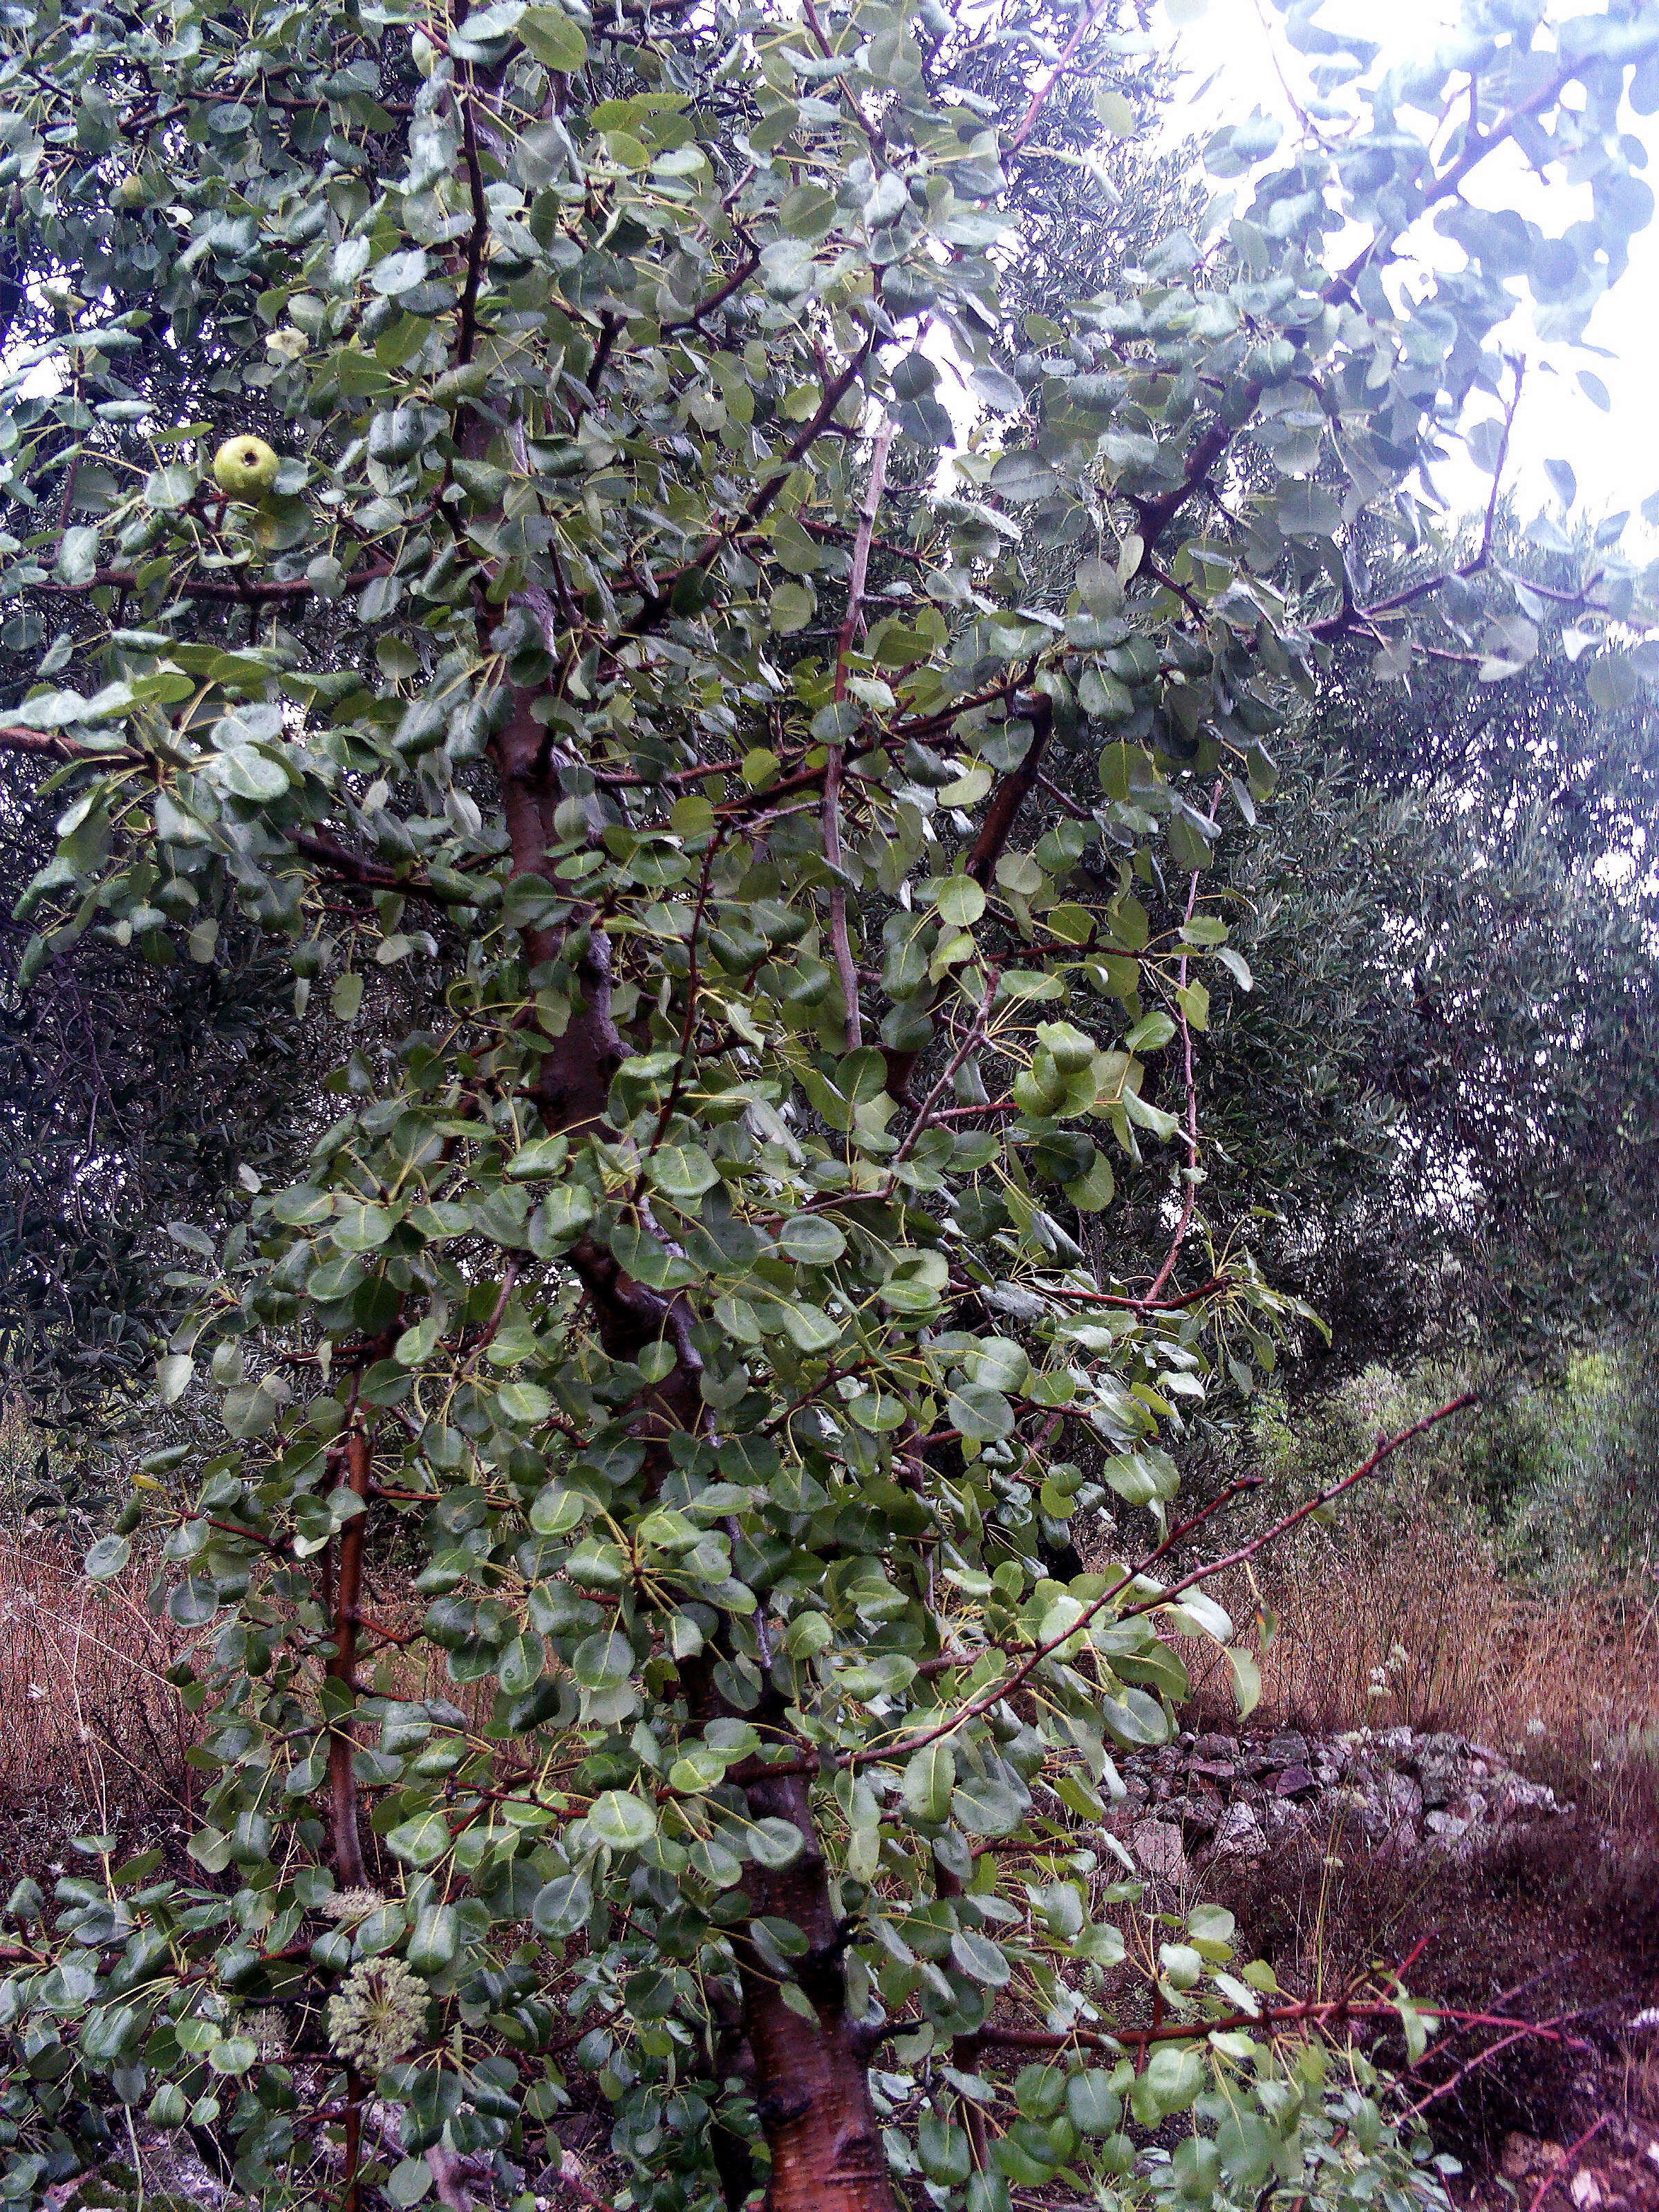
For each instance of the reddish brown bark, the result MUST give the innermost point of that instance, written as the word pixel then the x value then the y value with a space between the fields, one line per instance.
pixel 342 1667
pixel 811 2076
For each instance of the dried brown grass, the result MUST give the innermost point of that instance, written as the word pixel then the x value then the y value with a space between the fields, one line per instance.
pixel 1417 1625
pixel 93 1736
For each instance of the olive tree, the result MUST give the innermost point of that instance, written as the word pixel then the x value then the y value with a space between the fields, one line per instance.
pixel 615 575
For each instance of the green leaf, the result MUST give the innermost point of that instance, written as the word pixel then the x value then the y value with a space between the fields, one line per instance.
pixel 543 1155
pixel 556 41
pixel 1247 1680
pixel 1308 510
pixel 810 1327
pixel 774 1843
pixel 983 1415
pixel 602 1661
pixel 172 1374
pixel 979 1957
pixel 1022 478
pixel 77 557
pixel 792 607
pixel 564 1212
pixel 622 1820
pixel 107 1557
pixel 234 2054
pixel 562 1906
pixel 929 1778
pixel 362 1228
pixel 419 1841
pixel 682 1171
pixel 812 1239
pixel 1174 2078
pixel 527 1405
pixel 434 1940
pixel 1611 682
pixel 961 902
pixel 399 272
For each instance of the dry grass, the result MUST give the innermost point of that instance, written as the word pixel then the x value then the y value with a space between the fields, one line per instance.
pixel 94 1737
pixel 1421 1628
pixel 1564 1912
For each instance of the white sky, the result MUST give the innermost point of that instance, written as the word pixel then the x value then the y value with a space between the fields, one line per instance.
pixel 1615 455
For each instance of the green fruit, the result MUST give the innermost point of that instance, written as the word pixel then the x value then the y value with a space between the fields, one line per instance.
pixel 245 468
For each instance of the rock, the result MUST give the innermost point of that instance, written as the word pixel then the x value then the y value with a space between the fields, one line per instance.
pixel 1398 1791
pixel 1443 1745
pixel 1401 1799
pixel 1510 1796
pixel 1445 1827
pixel 1441 1778
pixel 1238 1834
pixel 1158 1850
pixel 1200 1813
pixel 1525 2156
pixel 1283 1818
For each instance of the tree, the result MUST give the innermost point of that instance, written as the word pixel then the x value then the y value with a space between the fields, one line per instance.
pixel 1444 1082
pixel 691 1298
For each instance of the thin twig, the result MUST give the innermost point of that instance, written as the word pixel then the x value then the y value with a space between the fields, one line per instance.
pixel 1028 121
pixel 1567 2160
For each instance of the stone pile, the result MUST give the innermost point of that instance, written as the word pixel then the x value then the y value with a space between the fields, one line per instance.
pixel 1394 1791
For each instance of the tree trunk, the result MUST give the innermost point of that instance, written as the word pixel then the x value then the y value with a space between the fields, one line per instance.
pixel 342 1667
pixel 811 2076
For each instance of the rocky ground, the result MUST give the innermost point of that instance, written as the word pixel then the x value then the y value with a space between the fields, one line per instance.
pixel 1397 1792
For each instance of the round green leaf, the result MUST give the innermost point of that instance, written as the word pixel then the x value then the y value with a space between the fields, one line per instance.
pixel 563 1905
pixel 420 1841
pixel 622 1820
pixel 602 1661
pixel 773 1842
pixel 525 1404
pixel 398 272
pixel 983 1415
pixel 810 1238
pixel 107 1557
pixel 362 1228
pixel 961 902
pixel 979 1958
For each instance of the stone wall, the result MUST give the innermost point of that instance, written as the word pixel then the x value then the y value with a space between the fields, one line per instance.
pixel 1394 1790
